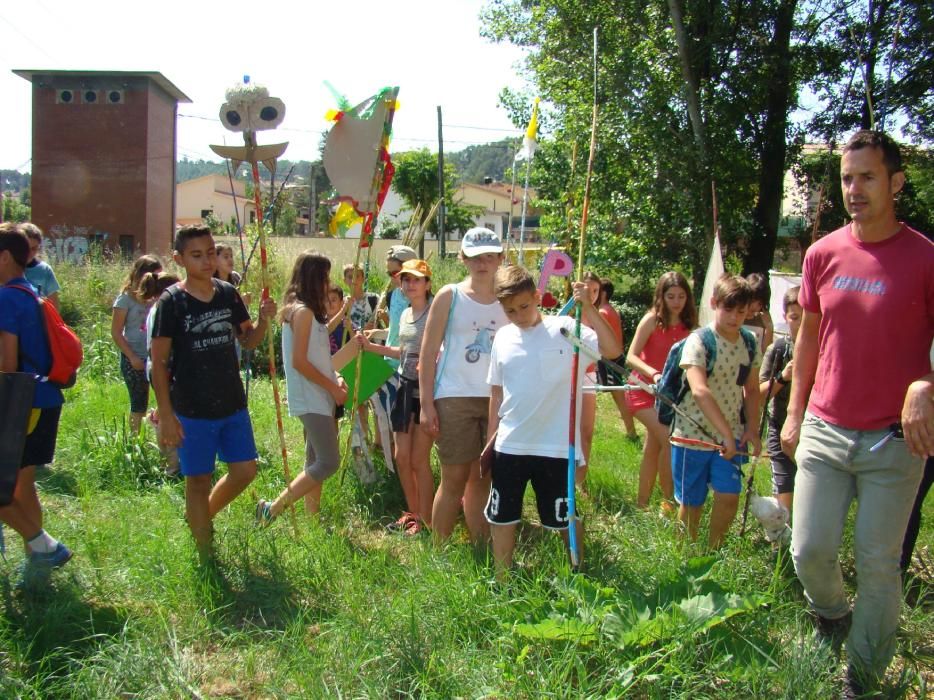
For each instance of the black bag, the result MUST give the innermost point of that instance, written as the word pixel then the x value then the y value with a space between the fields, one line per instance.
pixel 16 395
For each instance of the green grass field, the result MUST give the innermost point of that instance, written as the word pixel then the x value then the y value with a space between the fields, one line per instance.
pixel 340 608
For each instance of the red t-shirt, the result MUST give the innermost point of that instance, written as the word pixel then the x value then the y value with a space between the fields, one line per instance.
pixel 611 316
pixel 657 347
pixel 876 302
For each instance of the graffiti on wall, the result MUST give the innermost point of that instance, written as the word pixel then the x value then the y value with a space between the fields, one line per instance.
pixel 64 243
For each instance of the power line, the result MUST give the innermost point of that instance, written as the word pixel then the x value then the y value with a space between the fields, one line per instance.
pixel 29 39
pixel 485 128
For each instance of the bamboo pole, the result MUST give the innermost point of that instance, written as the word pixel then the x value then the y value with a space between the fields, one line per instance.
pixel 574 545
pixel 270 339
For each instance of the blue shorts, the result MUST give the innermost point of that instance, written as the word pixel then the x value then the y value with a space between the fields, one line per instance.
pixel 206 439
pixel 694 470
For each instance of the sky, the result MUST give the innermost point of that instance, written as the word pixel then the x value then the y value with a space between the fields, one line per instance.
pixel 432 49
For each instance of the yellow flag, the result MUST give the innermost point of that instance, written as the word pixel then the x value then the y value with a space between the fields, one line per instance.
pixel 529 143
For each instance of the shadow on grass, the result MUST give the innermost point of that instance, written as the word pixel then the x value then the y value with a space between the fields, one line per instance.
pixel 919 591
pixel 53 628
pixel 61 482
pixel 248 594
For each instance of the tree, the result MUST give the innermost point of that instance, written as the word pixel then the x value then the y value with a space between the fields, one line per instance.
pixel 389 229
pixel 15 210
pixel 416 181
pixel 879 63
pixel 285 219
pixel 690 92
pixel 213 223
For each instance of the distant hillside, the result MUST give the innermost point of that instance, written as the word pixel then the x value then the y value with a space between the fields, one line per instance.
pixel 186 169
pixel 472 164
pixel 192 169
pixel 485 160
pixel 14 180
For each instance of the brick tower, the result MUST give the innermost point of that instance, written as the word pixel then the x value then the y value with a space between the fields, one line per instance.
pixel 103 160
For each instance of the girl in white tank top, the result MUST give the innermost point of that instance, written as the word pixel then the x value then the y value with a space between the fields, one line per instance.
pixel 314 388
pixel 465 351
pixel 461 324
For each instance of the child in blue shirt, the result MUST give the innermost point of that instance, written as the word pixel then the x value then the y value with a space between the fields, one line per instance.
pixel 24 348
pixel 39 273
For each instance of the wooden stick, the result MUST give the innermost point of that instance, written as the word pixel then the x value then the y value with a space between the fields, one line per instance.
pixel 694 442
pixel 573 544
pixel 270 339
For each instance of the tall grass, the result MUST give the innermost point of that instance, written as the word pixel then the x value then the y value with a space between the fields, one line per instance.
pixel 341 608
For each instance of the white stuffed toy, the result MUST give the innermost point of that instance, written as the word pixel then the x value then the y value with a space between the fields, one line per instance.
pixel 773 516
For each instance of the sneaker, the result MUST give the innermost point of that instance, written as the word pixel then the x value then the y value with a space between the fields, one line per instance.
pixel 58 557
pixel 413 527
pixel 264 514
pixel 833 632
pixel 400 524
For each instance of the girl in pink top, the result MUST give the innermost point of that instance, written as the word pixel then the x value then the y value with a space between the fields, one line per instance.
pixel 671 318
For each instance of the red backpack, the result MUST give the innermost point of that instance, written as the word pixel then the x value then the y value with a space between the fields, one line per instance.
pixel 64 344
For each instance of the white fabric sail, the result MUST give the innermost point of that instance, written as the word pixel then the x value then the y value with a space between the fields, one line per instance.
pixel 714 270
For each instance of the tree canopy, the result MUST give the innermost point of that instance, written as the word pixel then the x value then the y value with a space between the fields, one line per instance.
pixel 416 181
pixel 693 96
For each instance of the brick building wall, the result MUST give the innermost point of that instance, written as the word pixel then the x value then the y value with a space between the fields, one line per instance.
pixel 103 165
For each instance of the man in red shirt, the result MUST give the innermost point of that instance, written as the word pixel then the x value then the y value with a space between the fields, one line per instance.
pixel 862 369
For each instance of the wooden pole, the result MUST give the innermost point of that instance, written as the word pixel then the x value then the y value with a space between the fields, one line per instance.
pixel 574 546
pixel 442 241
pixel 270 339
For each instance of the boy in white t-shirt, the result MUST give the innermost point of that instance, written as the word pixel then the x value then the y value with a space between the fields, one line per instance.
pixel 530 372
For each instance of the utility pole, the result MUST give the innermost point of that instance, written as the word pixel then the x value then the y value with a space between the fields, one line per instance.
pixel 313 203
pixel 441 236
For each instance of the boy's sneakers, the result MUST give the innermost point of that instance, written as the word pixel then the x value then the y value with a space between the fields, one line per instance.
pixel 264 514
pixel 36 568
pixel 403 521
pixel 407 524
pixel 52 560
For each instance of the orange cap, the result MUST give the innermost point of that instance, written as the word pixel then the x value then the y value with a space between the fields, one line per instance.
pixel 418 268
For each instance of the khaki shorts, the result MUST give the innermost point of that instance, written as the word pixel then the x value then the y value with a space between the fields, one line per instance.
pixel 463 421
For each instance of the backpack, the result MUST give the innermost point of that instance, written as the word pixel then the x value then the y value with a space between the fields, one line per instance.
pixel 673 385
pixel 781 354
pixel 64 344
